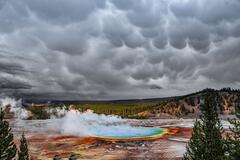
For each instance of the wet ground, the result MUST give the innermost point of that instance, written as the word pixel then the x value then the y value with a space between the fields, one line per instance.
pixel 45 142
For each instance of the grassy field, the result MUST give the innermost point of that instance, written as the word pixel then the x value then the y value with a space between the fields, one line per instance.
pixel 127 109
pixel 123 109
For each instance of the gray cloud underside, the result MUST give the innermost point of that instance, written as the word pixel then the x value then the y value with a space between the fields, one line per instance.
pixel 114 49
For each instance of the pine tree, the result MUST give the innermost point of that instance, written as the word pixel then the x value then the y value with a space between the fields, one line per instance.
pixel 212 128
pixel 206 142
pixel 233 141
pixel 56 157
pixel 7 147
pixel 237 105
pixel 195 147
pixel 23 149
pixel 74 156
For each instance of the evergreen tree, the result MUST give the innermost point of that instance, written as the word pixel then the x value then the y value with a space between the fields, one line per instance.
pixel 23 149
pixel 195 147
pixel 233 141
pixel 237 105
pixel 206 142
pixel 74 156
pixel 7 147
pixel 212 128
pixel 56 157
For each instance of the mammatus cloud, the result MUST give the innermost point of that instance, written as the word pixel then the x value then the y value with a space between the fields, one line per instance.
pixel 111 49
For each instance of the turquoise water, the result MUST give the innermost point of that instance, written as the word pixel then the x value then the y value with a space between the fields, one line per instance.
pixel 125 131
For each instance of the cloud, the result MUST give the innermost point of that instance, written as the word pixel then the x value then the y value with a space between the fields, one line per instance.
pixel 214 11
pixel 225 59
pixel 63 12
pixel 13 84
pixel 153 86
pixel 112 49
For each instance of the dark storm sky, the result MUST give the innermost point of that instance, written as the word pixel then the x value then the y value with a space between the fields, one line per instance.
pixel 115 49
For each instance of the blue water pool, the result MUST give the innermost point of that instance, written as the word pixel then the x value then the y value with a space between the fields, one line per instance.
pixel 127 132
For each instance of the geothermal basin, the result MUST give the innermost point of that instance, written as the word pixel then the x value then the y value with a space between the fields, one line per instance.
pixel 133 139
pixel 98 136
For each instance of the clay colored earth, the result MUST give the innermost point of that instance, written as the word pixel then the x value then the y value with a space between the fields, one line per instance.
pixel 45 144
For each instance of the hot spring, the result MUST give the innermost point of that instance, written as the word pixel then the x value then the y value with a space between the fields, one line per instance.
pixel 106 127
pixel 129 133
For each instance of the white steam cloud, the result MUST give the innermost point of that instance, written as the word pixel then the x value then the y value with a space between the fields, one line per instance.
pixel 15 107
pixel 89 123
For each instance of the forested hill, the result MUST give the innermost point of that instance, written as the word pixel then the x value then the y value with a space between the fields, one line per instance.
pixel 227 101
pixel 187 106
